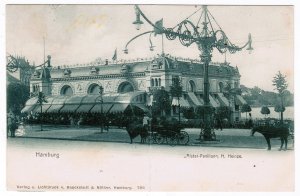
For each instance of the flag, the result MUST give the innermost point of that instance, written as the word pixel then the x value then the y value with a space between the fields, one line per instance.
pixel 158 29
pixel 114 58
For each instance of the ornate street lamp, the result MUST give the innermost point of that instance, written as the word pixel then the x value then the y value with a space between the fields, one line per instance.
pixel 207 38
pixel 138 21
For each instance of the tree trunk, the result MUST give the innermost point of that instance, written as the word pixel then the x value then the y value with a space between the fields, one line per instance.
pixel 281 113
pixel 41 118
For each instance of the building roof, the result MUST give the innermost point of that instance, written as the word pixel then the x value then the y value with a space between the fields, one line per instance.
pixel 159 63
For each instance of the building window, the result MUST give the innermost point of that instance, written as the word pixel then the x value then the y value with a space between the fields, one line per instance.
pixel 221 86
pixel 35 88
pixel 94 89
pixel 192 86
pixel 125 87
pixel 156 82
pixel 159 82
pixel 152 82
pixel 66 90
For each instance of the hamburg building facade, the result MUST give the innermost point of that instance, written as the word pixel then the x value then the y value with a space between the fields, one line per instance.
pixel 77 89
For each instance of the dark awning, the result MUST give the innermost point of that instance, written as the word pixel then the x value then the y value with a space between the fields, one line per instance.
pixel 141 106
pixel 118 107
pixel 57 104
pixel 87 103
pixel 71 104
pixel 111 103
pixel 105 108
pixel 45 106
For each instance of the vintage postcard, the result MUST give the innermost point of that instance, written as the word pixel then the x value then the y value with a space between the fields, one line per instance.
pixel 149 98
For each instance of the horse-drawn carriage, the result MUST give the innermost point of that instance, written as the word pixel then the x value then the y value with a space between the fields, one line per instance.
pixel 171 134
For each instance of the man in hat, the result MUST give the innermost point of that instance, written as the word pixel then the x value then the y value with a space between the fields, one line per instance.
pixel 146 120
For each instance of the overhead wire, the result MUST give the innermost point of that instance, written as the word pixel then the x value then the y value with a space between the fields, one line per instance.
pixel 187 18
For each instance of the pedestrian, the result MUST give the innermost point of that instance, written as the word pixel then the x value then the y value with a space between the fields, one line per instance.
pixel 219 124
pixel 250 123
pixel 146 120
pixel 72 121
pixel 79 121
pixel 12 123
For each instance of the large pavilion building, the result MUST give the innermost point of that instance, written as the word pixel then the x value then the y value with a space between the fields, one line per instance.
pixel 76 89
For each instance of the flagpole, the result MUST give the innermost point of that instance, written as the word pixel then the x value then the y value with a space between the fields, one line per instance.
pixel 162 44
pixel 44 48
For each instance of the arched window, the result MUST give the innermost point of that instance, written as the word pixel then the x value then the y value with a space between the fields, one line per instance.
pixel 156 82
pixel 192 86
pixel 221 86
pixel 152 82
pixel 125 87
pixel 159 82
pixel 94 89
pixel 66 90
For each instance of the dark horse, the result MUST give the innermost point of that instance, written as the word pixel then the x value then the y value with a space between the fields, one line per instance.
pixel 273 132
pixel 135 129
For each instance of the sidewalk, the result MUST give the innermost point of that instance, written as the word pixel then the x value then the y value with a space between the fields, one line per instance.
pixel 230 138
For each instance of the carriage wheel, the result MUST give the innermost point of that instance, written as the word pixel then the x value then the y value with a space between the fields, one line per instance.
pixel 183 138
pixel 172 139
pixel 159 139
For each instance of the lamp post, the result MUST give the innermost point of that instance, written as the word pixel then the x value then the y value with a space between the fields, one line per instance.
pixel 101 102
pixel 206 38
pixel 41 99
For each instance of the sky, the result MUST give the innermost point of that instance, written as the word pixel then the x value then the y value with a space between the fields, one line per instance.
pixel 77 34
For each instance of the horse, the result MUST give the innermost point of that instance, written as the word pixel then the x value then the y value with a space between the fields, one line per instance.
pixel 135 129
pixel 273 132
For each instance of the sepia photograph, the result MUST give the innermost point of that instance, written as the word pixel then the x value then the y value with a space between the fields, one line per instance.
pixel 149 98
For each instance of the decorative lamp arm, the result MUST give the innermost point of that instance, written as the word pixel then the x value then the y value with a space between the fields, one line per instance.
pixel 223 43
pixel 126 49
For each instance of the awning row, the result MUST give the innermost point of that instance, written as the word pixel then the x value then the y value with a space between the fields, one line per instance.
pixel 193 100
pixel 112 103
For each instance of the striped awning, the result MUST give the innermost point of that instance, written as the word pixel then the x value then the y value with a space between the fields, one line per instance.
pixel 222 99
pixel 194 99
pixel 214 103
pixel 240 100
pixel 182 102
pixel 30 105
